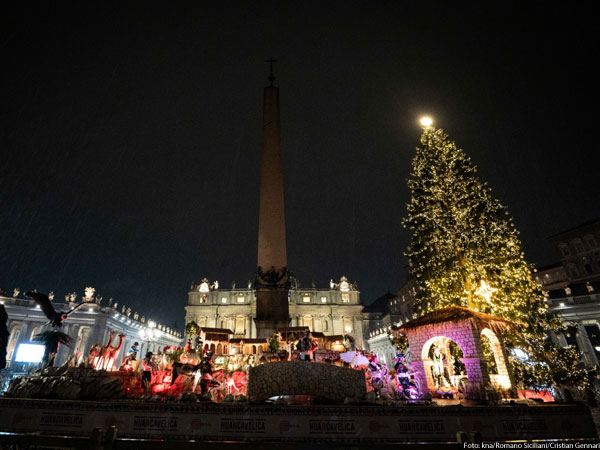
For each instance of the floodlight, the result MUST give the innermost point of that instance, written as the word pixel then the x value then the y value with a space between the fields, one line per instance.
pixel 30 353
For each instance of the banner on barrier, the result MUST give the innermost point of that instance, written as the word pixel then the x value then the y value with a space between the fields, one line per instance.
pixel 342 423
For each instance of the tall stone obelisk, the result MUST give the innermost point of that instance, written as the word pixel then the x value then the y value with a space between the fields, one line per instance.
pixel 272 280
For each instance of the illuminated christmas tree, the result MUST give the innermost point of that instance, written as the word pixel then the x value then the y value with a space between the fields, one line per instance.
pixel 466 251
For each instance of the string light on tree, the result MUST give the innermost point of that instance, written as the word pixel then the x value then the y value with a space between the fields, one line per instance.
pixel 465 250
pixel 485 291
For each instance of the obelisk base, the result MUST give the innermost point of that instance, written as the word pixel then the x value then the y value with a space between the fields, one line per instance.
pixel 272 311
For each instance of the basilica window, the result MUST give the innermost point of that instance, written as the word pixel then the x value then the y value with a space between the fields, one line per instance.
pixel 345 298
pixel 306 298
pixel 347 325
pixel 240 298
pixel 240 325
pixel 573 271
pixel 307 321
pixel 590 241
pixel 224 300
pixel 203 298
pixel 35 332
pixel 323 299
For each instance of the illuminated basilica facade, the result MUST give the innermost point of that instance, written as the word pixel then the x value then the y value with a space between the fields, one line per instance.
pixel 333 311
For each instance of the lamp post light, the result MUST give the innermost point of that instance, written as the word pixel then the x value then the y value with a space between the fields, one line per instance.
pixel 148 335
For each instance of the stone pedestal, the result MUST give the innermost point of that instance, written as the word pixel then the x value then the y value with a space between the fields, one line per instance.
pixel 305 378
pixel 272 310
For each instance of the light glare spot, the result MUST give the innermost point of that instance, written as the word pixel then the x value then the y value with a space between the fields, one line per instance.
pixel 426 121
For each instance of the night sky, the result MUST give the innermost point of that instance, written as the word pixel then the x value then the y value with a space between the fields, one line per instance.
pixel 130 138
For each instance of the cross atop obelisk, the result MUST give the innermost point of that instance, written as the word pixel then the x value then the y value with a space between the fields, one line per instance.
pixel 272 281
pixel 271 76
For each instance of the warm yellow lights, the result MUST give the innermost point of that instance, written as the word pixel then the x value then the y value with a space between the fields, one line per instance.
pixel 461 233
pixel 485 291
pixel 500 381
pixel 426 121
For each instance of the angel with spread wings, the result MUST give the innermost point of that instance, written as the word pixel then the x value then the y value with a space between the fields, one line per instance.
pixel 55 318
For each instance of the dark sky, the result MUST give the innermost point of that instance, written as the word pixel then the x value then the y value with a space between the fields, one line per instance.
pixel 130 137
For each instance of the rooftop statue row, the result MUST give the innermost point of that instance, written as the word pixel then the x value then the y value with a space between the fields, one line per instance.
pixel 272 277
pixel 89 299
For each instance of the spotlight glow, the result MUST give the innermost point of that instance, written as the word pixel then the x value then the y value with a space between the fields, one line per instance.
pixel 31 353
pixel 426 121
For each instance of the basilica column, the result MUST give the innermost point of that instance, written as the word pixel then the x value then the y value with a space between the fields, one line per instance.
pixel 63 350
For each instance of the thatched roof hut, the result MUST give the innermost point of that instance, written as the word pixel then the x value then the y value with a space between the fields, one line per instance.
pixel 215 334
pixel 458 314
pixel 466 328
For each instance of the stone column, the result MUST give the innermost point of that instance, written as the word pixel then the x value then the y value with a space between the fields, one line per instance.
pixel 74 333
pixel 272 285
pixel 63 351
pixel 249 321
pixel 420 372
pixel 585 345
pixel 12 350
pixel 476 370
pixel 217 317
pixel 271 222
pixel 503 370
pixel 334 328
pixel 23 336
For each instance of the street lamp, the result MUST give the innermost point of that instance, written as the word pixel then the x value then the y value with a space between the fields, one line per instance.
pixel 148 335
